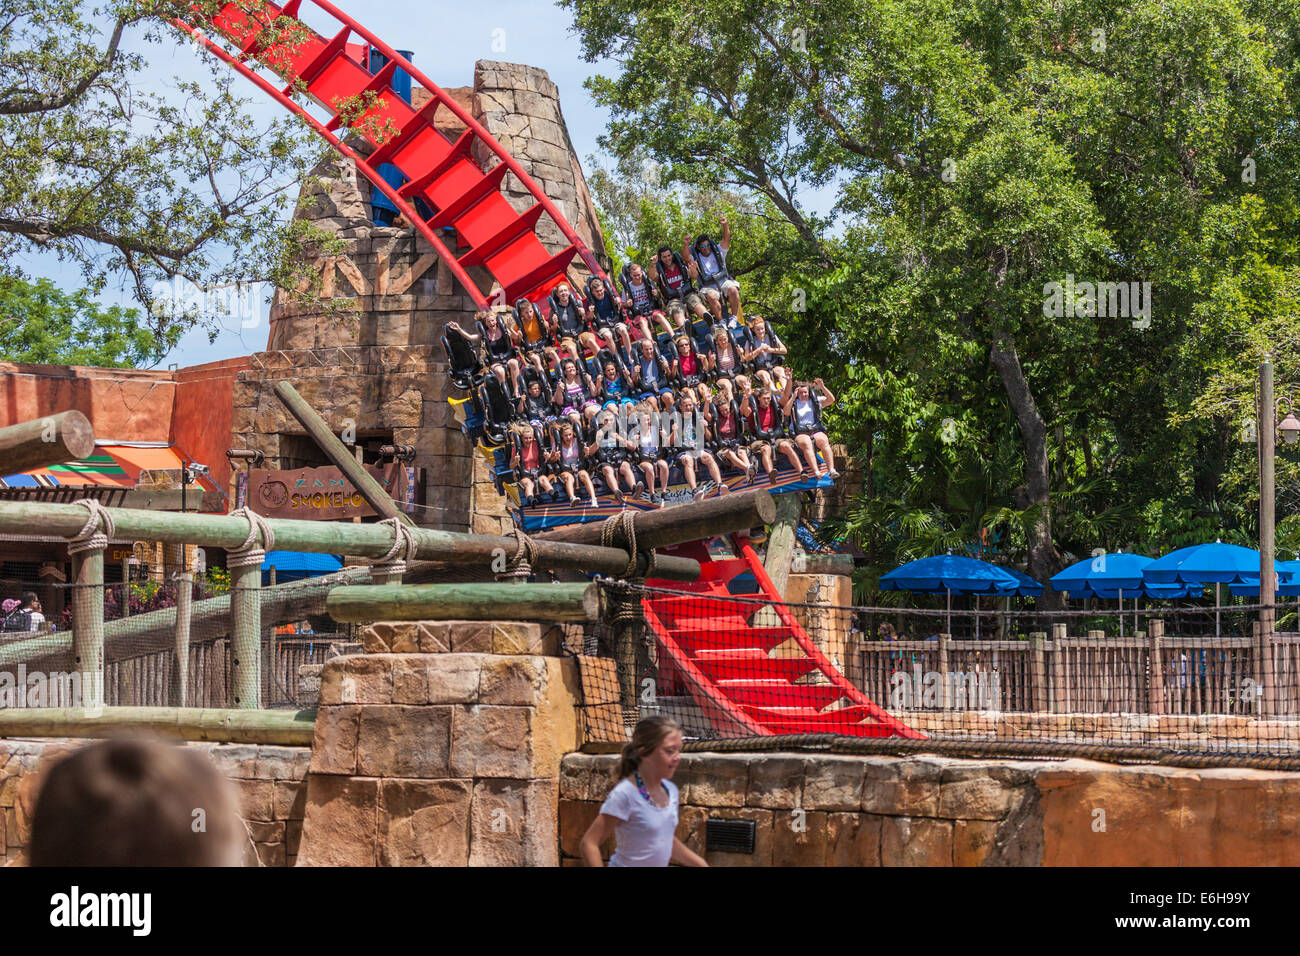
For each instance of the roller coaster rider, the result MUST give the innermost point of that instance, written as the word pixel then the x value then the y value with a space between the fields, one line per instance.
pixel 803 410
pixel 605 454
pixel 675 277
pixel 528 460
pixel 711 260
pixel 641 301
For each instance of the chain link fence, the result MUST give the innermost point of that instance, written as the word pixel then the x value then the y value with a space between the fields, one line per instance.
pixel 734 667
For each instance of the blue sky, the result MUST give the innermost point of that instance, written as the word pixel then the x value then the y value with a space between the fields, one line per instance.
pixel 447 40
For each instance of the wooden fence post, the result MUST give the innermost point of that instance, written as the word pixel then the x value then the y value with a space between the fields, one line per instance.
pixel 1037 671
pixel 1060 684
pixel 1155 666
pixel 181 653
pixel 1264 670
pixel 88 624
pixel 246 636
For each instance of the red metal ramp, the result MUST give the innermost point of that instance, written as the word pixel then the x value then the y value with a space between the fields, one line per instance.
pixel 754 680
pixel 443 173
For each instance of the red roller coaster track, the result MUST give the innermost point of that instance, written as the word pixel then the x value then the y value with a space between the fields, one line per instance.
pixel 442 173
pixel 724 662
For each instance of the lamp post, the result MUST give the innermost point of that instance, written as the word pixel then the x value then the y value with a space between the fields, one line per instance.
pixel 1267 434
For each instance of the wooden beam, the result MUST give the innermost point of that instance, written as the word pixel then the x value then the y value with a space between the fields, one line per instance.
pixel 155 631
pixel 287 728
pixel 678 524
pixel 332 537
pixel 465 602
pixel 781 540
pixel 338 453
pixel 49 440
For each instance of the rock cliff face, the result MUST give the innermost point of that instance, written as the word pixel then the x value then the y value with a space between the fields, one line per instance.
pixel 377 364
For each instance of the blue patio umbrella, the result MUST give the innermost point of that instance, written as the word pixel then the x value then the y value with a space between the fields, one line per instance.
pixel 296 565
pixel 1027 587
pixel 1216 564
pixel 1110 577
pixel 945 573
pixel 1288 581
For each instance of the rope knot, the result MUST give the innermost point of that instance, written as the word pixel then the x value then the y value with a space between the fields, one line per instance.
pixel 251 552
pixel 520 567
pixel 619 531
pixel 404 542
pixel 90 537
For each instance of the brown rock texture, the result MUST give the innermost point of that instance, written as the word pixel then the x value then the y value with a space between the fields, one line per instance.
pixel 932 811
pixel 447 758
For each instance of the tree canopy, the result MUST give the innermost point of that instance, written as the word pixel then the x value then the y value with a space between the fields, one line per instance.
pixel 103 166
pixel 993 165
pixel 40 323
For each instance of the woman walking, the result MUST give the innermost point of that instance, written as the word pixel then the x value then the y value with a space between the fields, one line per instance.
pixel 641 811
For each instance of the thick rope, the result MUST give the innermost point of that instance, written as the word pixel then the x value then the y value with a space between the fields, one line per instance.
pixel 520 567
pixel 619 531
pixel 250 552
pixel 90 537
pixel 403 541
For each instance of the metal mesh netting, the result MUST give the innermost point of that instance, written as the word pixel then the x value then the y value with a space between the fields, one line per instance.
pixel 739 666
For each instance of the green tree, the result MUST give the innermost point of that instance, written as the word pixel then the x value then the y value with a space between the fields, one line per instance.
pixel 99 169
pixel 41 323
pixel 980 152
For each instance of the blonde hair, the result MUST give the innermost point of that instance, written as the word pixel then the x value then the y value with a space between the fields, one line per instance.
pixel 649 734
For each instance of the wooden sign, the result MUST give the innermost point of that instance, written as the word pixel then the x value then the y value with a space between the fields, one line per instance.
pixel 324 494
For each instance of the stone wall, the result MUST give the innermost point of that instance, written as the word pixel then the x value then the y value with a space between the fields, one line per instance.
pixel 376 360
pixel 818 602
pixel 269 780
pixel 442 747
pixel 831 810
pixel 520 107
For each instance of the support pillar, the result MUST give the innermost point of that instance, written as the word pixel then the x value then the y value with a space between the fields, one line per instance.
pixel 88 624
pixel 179 689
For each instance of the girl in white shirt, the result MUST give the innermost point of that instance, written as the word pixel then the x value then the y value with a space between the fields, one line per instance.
pixel 641 811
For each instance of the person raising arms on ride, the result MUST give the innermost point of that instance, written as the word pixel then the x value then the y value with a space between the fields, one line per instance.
pixel 804 411
pixel 711 260
pixel 641 810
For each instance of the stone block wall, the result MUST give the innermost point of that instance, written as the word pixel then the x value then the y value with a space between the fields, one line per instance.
pixel 444 753
pixel 826 810
pixel 833 810
pixel 824 597
pixel 269 781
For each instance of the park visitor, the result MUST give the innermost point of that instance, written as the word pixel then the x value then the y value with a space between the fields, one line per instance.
pixel 641 811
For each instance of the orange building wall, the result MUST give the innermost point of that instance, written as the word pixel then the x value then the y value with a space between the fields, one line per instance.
pixel 202 416
pixel 190 408
pixel 122 404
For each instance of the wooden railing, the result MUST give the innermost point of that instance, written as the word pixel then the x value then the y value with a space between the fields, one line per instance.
pixel 1148 674
pixel 145 680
